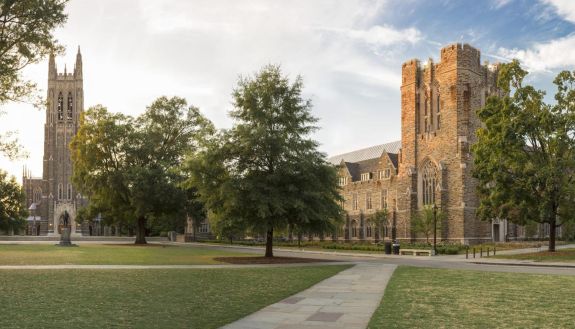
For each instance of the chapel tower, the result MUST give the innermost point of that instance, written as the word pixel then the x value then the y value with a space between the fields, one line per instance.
pixel 64 106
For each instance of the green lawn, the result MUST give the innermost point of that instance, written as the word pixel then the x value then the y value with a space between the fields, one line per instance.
pixel 127 254
pixel 440 298
pixel 563 255
pixel 174 298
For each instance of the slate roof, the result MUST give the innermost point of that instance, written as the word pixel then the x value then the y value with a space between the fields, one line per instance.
pixel 368 153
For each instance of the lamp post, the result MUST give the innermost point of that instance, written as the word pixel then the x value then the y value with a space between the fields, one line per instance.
pixel 434 228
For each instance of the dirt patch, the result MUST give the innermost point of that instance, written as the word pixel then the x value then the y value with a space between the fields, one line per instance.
pixel 268 260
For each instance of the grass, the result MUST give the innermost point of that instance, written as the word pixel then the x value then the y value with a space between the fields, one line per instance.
pixel 174 298
pixel 440 298
pixel 97 254
pixel 562 255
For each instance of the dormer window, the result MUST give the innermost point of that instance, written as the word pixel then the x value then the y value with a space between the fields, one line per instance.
pixel 342 181
pixel 365 177
pixel 385 174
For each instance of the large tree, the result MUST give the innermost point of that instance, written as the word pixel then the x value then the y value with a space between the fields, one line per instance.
pixel 525 153
pixel 26 37
pixel 265 172
pixel 12 203
pixel 129 168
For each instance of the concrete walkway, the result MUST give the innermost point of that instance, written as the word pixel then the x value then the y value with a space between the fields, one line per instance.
pixel 346 300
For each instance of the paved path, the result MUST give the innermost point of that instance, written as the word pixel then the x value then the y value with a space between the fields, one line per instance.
pixel 346 300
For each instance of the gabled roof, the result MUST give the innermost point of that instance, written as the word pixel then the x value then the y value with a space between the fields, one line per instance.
pixel 368 153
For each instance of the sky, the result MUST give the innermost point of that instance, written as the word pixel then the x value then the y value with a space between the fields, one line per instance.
pixel 348 52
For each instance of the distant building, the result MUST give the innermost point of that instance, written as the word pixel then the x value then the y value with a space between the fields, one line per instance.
pixel 52 194
pixel 432 163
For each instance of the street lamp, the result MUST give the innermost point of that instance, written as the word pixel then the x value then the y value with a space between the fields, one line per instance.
pixel 434 228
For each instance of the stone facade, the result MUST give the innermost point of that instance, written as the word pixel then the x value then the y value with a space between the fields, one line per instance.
pixel 53 193
pixel 432 165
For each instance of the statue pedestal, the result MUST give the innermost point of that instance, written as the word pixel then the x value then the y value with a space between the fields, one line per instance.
pixel 65 238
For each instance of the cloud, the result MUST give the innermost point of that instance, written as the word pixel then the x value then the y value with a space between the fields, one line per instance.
pixel 563 8
pixel 547 56
pixel 496 4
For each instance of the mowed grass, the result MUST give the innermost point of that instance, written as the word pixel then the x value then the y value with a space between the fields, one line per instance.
pixel 174 298
pixel 440 298
pixel 99 254
pixel 562 255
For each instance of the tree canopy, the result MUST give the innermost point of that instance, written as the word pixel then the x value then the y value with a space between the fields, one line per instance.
pixel 26 37
pixel 129 168
pixel 265 172
pixel 524 156
pixel 12 203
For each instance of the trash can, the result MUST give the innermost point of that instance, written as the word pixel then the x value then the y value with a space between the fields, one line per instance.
pixel 387 247
pixel 396 248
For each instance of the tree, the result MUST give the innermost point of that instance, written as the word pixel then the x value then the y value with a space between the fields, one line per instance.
pixel 379 220
pixel 424 222
pixel 129 168
pixel 26 37
pixel 524 155
pixel 12 203
pixel 265 172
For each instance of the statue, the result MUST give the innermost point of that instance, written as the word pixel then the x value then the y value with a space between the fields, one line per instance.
pixel 65 218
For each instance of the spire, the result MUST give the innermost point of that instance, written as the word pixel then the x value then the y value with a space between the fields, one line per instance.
pixel 52 67
pixel 78 65
pixel 65 73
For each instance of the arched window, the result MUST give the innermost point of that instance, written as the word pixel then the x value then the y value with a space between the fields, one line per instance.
pixel 37 195
pixel 354 229
pixel 69 196
pixel 60 107
pixel 60 191
pixel 429 179
pixel 70 107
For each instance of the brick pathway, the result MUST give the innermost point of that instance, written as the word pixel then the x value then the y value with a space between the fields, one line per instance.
pixel 346 300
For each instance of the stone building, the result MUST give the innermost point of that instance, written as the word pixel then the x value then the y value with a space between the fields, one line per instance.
pixel 49 196
pixel 432 163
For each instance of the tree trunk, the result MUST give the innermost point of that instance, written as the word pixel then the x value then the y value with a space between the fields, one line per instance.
pixel 552 233
pixel 141 230
pixel 270 241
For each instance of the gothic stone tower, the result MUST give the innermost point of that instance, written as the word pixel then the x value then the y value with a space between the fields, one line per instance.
pixel 438 117
pixel 54 193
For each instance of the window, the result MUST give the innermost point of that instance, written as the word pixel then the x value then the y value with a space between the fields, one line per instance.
pixel 60 107
pixel 466 98
pixel 354 229
pixel 365 176
pixel 426 127
pixel 429 179
pixel 204 228
pixel 354 201
pixel 342 204
pixel 69 194
pixel 368 230
pixel 70 107
pixel 60 192
pixel 368 201
pixel 385 174
pixel 438 122
pixel 438 106
pixel 37 196
pixel 384 199
pixel 342 181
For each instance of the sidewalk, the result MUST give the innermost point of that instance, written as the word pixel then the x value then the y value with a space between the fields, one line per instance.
pixel 346 300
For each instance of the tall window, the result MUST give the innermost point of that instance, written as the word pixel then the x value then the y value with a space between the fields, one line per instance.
pixel 384 199
pixel 438 106
pixel 60 192
pixel 70 107
pixel 368 201
pixel 354 201
pixel 37 195
pixel 342 181
pixel 354 229
pixel 69 194
pixel 429 179
pixel 366 176
pixel 60 107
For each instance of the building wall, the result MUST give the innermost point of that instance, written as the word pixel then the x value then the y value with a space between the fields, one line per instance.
pixel 438 121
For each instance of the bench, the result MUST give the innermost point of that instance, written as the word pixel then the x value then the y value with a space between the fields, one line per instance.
pixel 416 252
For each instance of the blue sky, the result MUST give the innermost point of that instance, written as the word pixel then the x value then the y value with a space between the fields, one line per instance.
pixel 349 53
